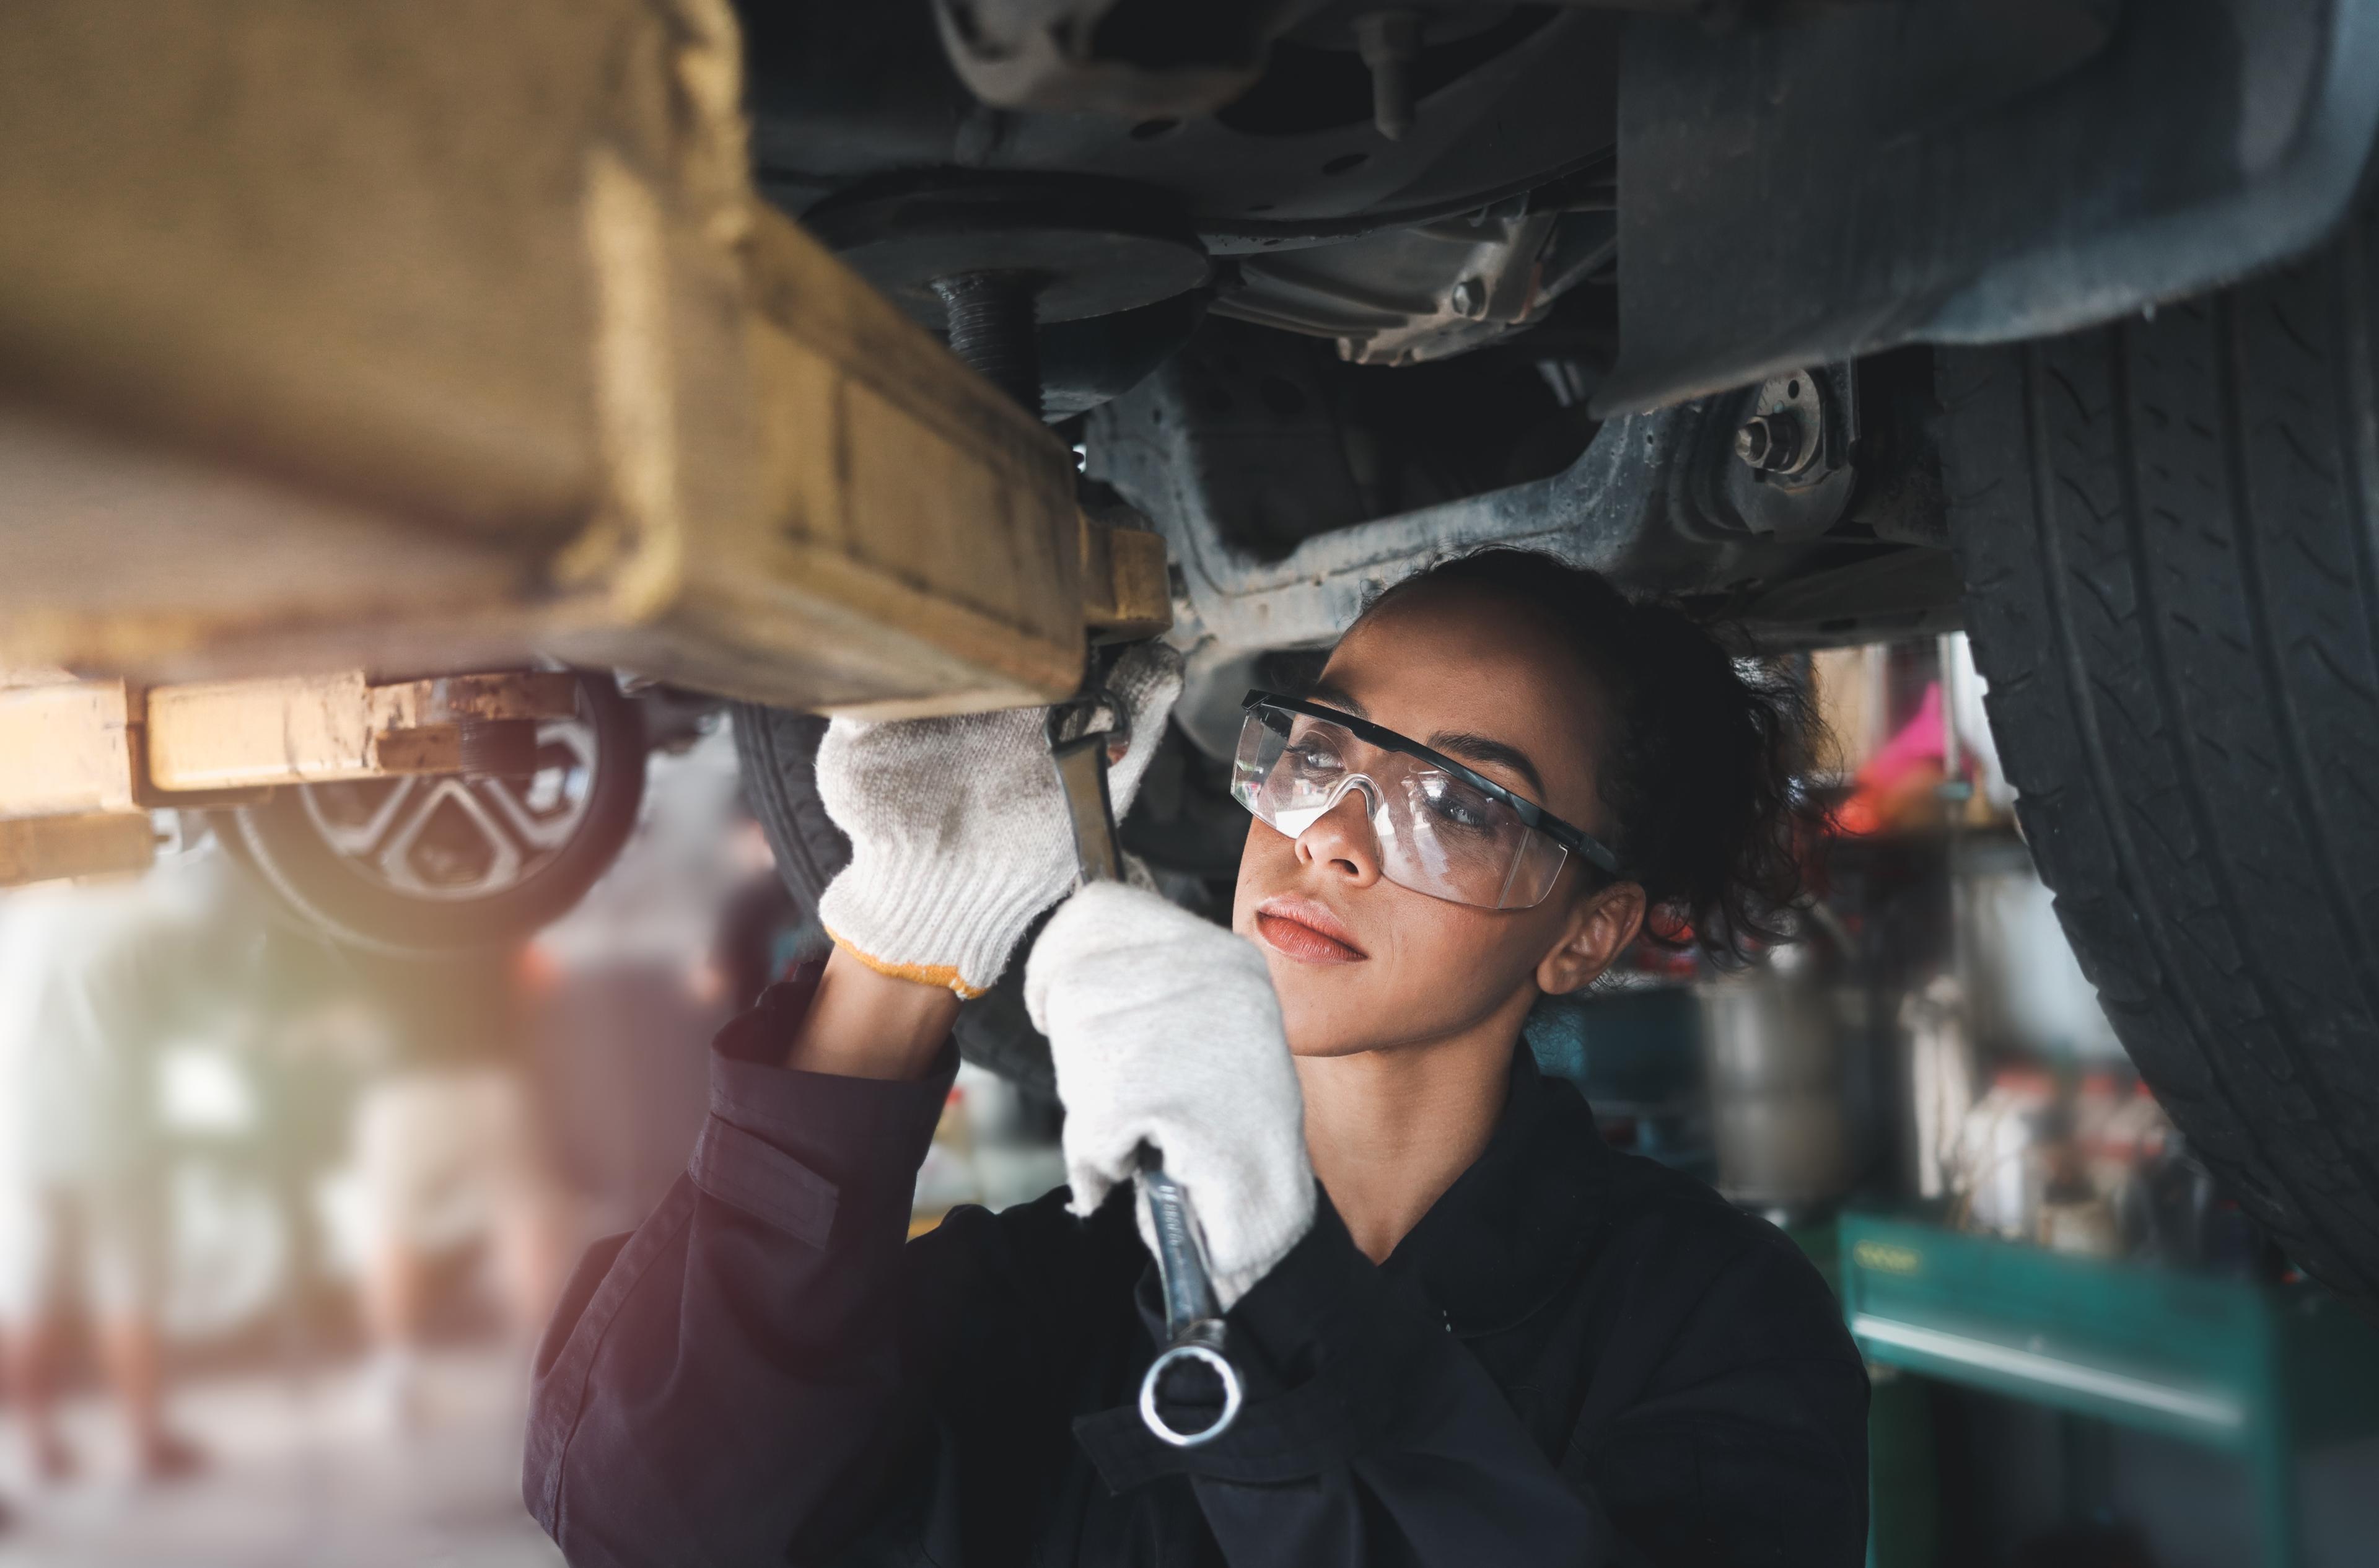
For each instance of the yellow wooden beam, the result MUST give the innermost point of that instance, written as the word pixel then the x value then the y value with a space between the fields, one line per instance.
pixel 443 335
pixel 305 729
pixel 102 746
pixel 1126 590
pixel 68 749
pixel 46 848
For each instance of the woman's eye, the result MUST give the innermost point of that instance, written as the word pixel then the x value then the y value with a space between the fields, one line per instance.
pixel 1463 809
pixel 1313 756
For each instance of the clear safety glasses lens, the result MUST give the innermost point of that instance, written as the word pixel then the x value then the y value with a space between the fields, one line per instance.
pixel 1436 832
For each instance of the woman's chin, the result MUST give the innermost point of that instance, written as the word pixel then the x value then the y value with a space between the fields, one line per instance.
pixel 1320 1026
pixel 1327 1048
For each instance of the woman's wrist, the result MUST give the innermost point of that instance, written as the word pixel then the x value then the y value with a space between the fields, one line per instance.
pixel 863 1023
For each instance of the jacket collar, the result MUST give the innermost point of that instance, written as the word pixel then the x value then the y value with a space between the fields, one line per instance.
pixel 1516 1225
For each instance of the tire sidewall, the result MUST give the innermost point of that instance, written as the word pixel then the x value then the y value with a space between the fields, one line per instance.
pixel 278 842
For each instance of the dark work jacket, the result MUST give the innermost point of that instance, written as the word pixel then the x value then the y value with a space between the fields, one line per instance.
pixel 1577 1357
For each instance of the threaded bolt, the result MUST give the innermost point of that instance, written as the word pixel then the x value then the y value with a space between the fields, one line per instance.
pixel 1770 443
pixel 1388 40
pixel 992 326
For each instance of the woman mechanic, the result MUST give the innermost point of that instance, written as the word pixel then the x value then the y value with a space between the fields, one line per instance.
pixel 1470 1332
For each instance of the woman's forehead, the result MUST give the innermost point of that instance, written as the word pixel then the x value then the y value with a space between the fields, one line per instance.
pixel 1430 661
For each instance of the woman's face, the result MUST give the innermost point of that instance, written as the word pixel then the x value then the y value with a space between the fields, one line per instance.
pixel 1363 964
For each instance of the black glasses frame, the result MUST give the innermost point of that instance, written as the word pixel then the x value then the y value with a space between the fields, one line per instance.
pixel 1585 845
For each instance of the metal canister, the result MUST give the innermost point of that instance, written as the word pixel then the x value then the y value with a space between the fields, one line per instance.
pixel 1774 1059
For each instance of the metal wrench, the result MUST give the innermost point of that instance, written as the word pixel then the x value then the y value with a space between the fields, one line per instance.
pixel 1193 1316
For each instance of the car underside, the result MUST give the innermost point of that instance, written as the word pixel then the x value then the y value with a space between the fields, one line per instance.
pixel 1328 289
pixel 1833 321
pixel 1696 294
pixel 1310 311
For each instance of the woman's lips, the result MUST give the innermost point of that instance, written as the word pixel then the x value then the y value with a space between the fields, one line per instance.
pixel 1306 932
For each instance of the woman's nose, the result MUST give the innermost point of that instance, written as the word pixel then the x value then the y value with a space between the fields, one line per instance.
pixel 1340 842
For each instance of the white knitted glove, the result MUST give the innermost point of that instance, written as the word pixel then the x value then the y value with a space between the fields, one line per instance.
pixel 1164 1030
pixel 959 830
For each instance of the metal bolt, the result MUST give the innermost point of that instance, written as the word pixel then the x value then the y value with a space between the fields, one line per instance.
pixel 1387 41
pixel 1769 443
pixel 992 329
pixel 1751 441
pixel 1469 297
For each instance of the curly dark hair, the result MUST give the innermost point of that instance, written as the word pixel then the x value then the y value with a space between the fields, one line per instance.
pixel 1698 764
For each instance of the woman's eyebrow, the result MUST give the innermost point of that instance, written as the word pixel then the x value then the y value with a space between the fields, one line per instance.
pixel 1480 749
pixel 1332 696
pixel 1462 743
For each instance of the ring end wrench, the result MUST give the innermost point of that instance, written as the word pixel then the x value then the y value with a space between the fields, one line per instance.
pixel 1081 764
pixel 1193 1315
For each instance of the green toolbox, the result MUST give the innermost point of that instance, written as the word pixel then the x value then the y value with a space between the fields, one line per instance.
pixel 2258 1371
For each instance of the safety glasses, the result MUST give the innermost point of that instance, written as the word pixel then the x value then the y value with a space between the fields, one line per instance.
pixel 1442 828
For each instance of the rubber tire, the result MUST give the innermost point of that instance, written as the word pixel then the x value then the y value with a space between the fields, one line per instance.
pixel 776 750
pixel 2165 529
pixel 279 847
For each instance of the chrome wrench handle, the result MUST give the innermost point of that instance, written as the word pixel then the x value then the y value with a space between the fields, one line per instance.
pixel 1081 760
pixel 1193 1317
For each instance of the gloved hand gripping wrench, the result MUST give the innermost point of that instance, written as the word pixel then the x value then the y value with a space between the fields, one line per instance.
pixel 1193 1315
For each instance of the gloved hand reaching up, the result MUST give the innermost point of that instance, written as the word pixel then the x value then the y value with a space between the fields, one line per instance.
pixel 1164 1030
pixel 958 831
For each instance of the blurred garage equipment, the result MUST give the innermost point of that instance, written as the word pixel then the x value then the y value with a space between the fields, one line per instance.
pixel 2263 1375
pixel 1772 1046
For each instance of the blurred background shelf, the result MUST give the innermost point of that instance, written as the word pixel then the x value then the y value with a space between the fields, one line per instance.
pixel 2262 1372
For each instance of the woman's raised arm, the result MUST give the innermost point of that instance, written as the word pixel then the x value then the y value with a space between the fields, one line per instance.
pixel 728 1379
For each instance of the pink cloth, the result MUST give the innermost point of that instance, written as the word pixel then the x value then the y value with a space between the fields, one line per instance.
pixel 1918 743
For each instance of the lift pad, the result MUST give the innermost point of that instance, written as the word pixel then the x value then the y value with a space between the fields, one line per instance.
pixel 45 849
pixel 110 746
pixel 442 336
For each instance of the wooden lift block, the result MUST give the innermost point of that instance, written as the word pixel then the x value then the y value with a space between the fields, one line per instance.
pixel 83 763
pixel 443 336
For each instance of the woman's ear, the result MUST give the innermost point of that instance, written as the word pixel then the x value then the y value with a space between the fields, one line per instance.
pixel 1601 926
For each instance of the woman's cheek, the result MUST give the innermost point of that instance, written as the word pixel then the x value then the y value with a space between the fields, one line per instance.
pixel 1448 955
pixel 1459 964
pixel 1261 865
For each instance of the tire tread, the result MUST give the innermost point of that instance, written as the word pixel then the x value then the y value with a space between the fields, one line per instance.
pixel 2174 611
